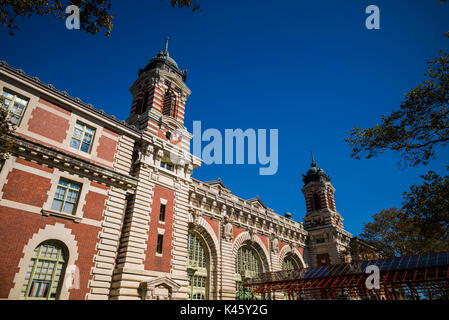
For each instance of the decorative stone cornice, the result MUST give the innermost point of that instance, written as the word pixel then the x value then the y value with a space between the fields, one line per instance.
pixel 34 151
pixel 294 231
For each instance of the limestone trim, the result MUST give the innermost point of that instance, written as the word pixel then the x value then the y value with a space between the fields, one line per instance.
pixel 8 165
pixel 36 152
pixel 51 232
pixel 204 230
pixel 256 243
pixel 85 186
pixel 294 253
pixel 77 118
pixel 198 223
pixel 148 289
pixel 32 103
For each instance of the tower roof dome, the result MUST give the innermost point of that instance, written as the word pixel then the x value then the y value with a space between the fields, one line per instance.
pixel 315 174
pixel 164 61
pixel 165 56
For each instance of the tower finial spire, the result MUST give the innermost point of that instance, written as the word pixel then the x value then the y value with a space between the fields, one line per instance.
pixel 313 160
pixel 166 44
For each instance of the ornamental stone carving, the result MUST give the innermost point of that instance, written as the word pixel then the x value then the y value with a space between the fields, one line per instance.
pixel 196 214
pixel 159 154
pixel 227 232
pixel 292 245
pixel 145 154
pixel 159 289
pixel 252 234
pixel 223 209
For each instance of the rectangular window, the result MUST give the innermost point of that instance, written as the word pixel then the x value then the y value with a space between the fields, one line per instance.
pixel 66 197
pixel 2 163
pixel 166 165
pixel 162 213
pixel 15 105
pixel 160 240
pixel 83 137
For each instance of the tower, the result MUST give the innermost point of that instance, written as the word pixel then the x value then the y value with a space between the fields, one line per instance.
pixel 159 98
pixel 154 239
pixel 328 241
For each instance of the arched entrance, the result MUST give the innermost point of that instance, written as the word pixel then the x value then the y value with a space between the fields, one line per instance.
pixel 198 265
pixel 248 265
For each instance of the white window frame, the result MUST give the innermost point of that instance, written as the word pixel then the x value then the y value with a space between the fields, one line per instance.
pixel 82 137
pixel 13 100
pixel 77 216
pixel 74 118
pixel 66 192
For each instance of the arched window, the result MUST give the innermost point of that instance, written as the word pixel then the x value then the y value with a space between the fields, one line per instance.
pixel 316 202
pixel 289 263
pixel 248 265
pixel 45 273
pixel 197 268
pixel 169 105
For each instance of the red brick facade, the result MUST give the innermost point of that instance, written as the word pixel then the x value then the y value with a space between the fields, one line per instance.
pixel 118 186
pixel 27 188
pixel 154 261
pixel 107 148
pixel 20 226
pixel 48 125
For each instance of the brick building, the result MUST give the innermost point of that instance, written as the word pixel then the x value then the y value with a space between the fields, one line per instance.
pixel 92 207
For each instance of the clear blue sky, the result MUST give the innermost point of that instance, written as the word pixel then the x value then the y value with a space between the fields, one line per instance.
pixel 308 68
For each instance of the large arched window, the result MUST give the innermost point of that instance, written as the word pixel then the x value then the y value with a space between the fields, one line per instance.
pixel 198 268
pixel 248 265
pixel 289 263
pixel 316 202
pixel 45 273
pixel 169 104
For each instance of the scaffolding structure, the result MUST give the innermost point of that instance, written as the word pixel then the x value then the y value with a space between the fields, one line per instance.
pixel 418 277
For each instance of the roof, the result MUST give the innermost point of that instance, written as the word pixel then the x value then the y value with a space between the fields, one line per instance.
pixel 217 182
pixel 440 259
pixel 257 199
pixel 65 95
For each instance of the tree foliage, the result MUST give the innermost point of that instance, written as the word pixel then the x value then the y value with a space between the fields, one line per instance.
pixel 360 250
pixel 5 130
pixel 386 231
pixel 416 131
pixel 420 226
pixel 94 14
pixel 193 4
pixel 427 205
pixel 419 126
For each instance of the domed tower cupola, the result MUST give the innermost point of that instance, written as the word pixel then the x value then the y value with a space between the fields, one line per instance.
pixel 318 190
pixel 163 61
pixel 159 100
pixel 327 239
pixel 315 174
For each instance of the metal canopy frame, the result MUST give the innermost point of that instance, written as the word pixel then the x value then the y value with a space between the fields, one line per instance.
pixel 418 277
